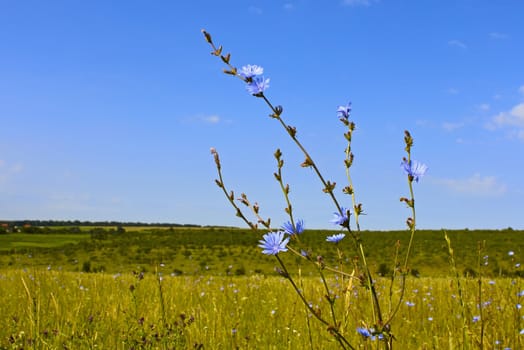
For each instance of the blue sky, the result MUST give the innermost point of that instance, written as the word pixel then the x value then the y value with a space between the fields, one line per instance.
pixel 109 109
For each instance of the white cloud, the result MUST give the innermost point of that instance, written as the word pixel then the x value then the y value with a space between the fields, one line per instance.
pixel 358 2
pixel 476 185
pixel 457 43
pixel 8 170
pixel 511 120
pixel 448 126
pixel 255 10
pixel 497 35
pixel 452 91
pixel 211 119
pixel 484 107
pixel 289 6
pixel 514 117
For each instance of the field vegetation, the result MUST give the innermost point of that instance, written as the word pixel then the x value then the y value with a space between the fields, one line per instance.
pixel 211 288
pixel 225 251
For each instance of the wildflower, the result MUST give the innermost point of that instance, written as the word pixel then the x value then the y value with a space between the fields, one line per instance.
pixel 251 71
pixel 341 219
pixel 430 318
pixel 519 306
pixel 369 333
pixel 410 304
pixel 414 169
pixel 517 265
pixel 273 243
pixel 364 332
pixel 257 85
pixel 344 111
pixel 522 331
pixel 291 230
pixel 511 253
pixel 476 319
pixel 335 238
pixel 521 293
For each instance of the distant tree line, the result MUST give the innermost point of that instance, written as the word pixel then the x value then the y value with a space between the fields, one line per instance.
pixel 42 226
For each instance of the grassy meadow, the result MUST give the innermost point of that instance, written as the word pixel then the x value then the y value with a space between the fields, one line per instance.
pixel 211 288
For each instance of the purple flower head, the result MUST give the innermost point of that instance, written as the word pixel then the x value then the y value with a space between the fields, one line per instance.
pixel 414 169
pixel 335 238
pixel 273 243
pixel 296 230
pixel 257 85
pixel 251 71
pixel 339 219
pixel 476 319
pixel 344 111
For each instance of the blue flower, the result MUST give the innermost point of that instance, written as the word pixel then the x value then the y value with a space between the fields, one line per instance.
pixel 296 230
pixel 257 85
pixel 364 332
pixel 251 71
pixel 341 219
pixel 368 333
pixel 335 238
pixel 344 111
pixel 414 169
pixel 511 253
pixel 476 319
pixel 273 243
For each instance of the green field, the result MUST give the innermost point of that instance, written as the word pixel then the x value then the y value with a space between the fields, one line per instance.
pixel 211 288
pixel 223 251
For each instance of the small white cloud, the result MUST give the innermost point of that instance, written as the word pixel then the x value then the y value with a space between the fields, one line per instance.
pixel 514 117
pixel 255 10
pixel 448 126
pixel 7 171
pixel 497 36
pixel 357 2
pixel 521 90
pixel 211 119
pixel 484 107
pixel 457 43
pixel 452 91
pixel 200 118
pixel 289 6
pixel 476 185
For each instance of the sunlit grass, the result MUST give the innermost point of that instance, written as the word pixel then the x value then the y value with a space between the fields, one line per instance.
pixel 50 309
